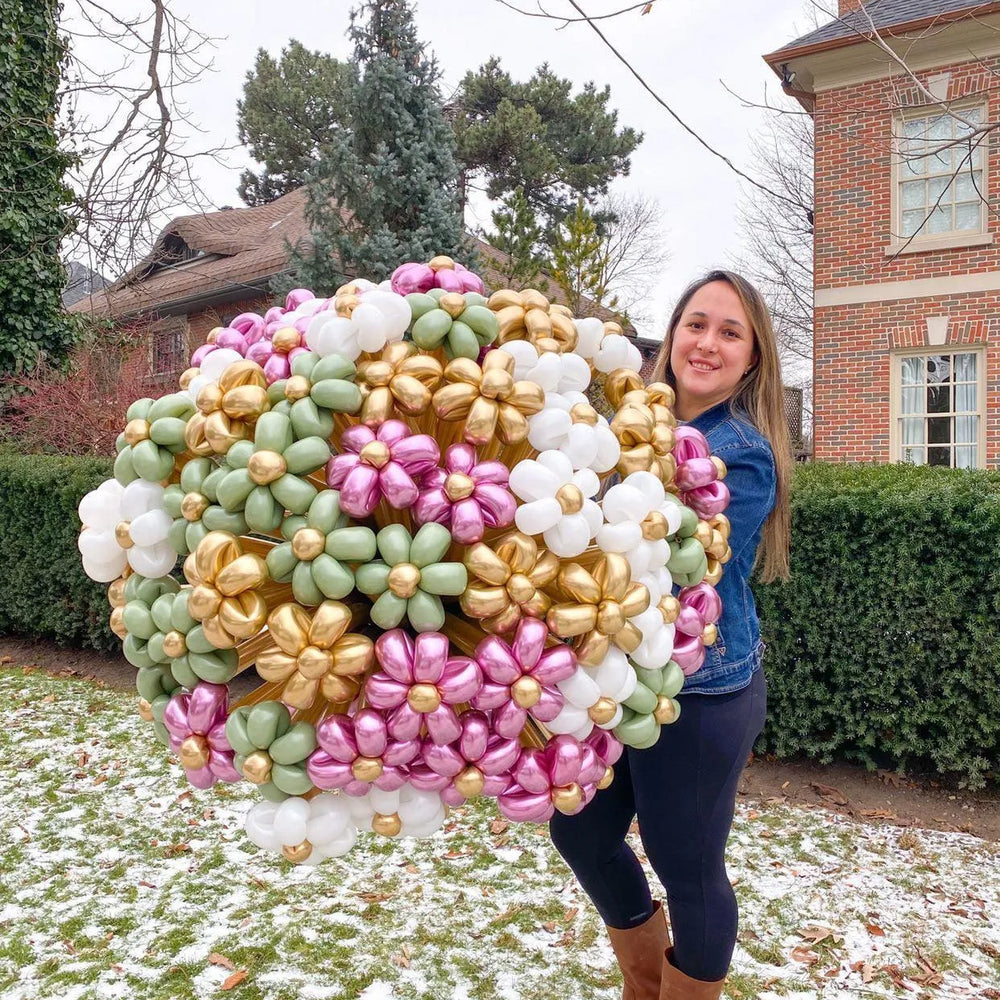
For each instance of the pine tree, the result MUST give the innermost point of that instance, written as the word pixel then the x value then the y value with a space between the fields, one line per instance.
pixel 385 190
pixel 518 234
pixel 578 264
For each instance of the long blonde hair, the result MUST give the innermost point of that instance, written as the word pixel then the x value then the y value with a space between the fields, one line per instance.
pixel 760 396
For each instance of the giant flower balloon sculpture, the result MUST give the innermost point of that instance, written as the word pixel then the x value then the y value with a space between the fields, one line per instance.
pixel 454 577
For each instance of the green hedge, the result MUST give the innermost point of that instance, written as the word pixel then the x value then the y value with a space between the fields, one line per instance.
pixel 884 647
pixel 43 589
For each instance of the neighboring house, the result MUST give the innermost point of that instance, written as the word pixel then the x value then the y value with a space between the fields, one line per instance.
pixel 81 281
pixel 206 269
pixel 907 236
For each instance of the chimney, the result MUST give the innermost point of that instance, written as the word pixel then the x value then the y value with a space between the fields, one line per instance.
pixel 846 6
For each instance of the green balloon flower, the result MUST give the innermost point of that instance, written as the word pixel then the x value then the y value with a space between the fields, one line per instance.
pixel 652 704
pixel 271 750
pixel 461 322
pixel 152 437
pixel 140 630
pixel 194 505
pixel 267 476
pixel 411 580
pixel 317 552
pixel 318 388
pixel 155 685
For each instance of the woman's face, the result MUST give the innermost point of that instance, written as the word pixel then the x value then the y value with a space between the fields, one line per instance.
pixel 713 347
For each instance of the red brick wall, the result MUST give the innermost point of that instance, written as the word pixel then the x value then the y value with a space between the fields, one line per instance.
pixel 853 223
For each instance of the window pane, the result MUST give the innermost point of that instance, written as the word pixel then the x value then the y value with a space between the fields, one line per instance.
pixel 914 127
pixel 965 430
pixel 912 399
pixel 938 399
pixel 913 194
pixel 968 185
pixel 912 221
pixel 915 455
pixel 940 220
pixel 939 430
pixel 938 368
pixel 965 367
pixel 940 128
pixel 968 215
pixel 939 456
pixel 965 457
pixel 913 430
pixel 913 370
pixel 936 187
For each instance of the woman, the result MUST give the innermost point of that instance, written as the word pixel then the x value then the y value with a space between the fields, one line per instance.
pixel 721 359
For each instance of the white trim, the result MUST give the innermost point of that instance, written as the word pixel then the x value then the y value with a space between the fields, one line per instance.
pixel 918 288
pixel 951 241
pixel 895 392
pixel 937 330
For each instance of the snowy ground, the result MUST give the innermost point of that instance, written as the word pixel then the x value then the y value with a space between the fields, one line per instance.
pixel 118 881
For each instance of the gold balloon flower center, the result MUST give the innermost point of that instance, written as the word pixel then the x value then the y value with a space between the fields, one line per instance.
pixel 387 826
pixel 520 588
pixel 570 498
pixel 136 430
pixel 610 617
pixel 307 544
pixel 496 384
pixel 266 466
pixel 602 711
pixel 297 387
pixel 367 768
pixel 452 303
pixel 670 608
pixel 122 536
pixel 174 644
pixel 404 579
pixel 583 413
pixel 257 767
pixel 526 692
pixel 470 782
pixel 194 752
pixel 375 453
pixel 379 373
pixel 297 853
pixel 314 663
pixel 654 526
pixel 568 798
pixel 458 486
pixel 424 698
pixel 665 711
pixel 193 506
pixel 286 339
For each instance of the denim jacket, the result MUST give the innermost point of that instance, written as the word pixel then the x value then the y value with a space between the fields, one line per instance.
pixel 736 654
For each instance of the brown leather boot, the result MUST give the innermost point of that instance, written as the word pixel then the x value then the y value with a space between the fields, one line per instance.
pixel 639 951
pixel 674 985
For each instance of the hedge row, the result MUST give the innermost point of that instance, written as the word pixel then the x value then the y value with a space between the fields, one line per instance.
pixel 43 590
pixel 884 647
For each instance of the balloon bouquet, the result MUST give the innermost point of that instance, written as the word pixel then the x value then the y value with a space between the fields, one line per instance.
pixel 389 504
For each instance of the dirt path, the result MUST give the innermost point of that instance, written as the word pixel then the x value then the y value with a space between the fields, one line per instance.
pixel 880 797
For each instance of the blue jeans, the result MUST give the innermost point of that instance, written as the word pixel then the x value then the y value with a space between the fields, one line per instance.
pixel 683 791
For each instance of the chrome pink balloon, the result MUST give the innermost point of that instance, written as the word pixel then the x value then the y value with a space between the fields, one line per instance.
pixel 607 747
pixel 707 501
pixel 415 277
pixel 565 764
pixel 695 472
pixel 690 443
pixel 504 664
pixel 296 297
pixel 689 652
pixel 704 599
pixel 406 663
pixel 203 713
pixel 363 484
pixel 201 353
pixel 345 740
pixel 250 325
pixel 490 505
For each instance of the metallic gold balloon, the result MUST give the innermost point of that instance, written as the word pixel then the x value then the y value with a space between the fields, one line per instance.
pixel 136 430
pixel 194 752
pixel 507 580
pixel 646 436
pixel 404 580
pixel 401 380
pixel 286 339
pixel 609 776
pixel 308 543
pixel 227 412
pixel 714 574
pixel 257 767
pixel 528 315
pixel 470 782
pixel 665 711
pixel 526 692
pixel 297 853
pixel 424 698
pixel 387 826
pixel 193 505
pixel 174 644
pixel 488 399
pixel 567 799
pixel 145 710
pixel 709 634
pixel 265 467
pixel 117 622
pixel 367 768
pixel 602 711
pixel 122 534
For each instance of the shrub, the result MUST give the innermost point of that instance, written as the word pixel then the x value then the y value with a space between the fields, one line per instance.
pixel 44 591
pixel 884 647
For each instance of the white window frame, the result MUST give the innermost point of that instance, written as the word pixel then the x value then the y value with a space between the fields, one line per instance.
pixel 174 327
pixel 923 241
pixel 896 393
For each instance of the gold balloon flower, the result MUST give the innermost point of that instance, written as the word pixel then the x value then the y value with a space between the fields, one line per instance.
pixel 600 606
pixel 507 581
pixel 402 379
pixel 645 432
pixel 225 582
pixel 228 411
pixel 528 315
pixel 312 653
pixel 488 399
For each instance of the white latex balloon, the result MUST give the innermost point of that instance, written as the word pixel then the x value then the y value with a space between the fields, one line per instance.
pixel 538 516
pixel 525 357
pixel 139 497
pixel 151 527
pixel 217 361
pixel 589 333
pixel 154 560
pixel 104 571
pixel 571 720
pixel 569 537
pixel 259 826
pixel 394 309
pixel 290 821
pixel 617 351
pixel 100 508
pixel 580 689
pixel 417 806
pixel 533 480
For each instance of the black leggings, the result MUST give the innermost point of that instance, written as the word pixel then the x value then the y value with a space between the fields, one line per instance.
pixel 683 790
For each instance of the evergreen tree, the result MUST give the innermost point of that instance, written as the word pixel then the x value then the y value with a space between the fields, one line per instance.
pixel 384 191
pixel 578 264
pixel 518 235
pixel 290 110
pixel 33 217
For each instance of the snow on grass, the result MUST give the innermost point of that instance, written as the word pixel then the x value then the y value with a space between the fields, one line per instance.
pixel 119 881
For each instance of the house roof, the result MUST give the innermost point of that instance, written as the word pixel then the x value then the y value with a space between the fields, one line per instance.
pixel 213 258
pixel 883 14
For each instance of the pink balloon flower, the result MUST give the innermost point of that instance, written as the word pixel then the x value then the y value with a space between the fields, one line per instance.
pixel 380 463
pixel 196 723
pixel 414 277
pixel 466 496
pixel 700 606
pixel 563 776
pixel 607 747
pixel 357 752
pixel 419 684
pixel 520 677
pixel 477 763
pixel 697 477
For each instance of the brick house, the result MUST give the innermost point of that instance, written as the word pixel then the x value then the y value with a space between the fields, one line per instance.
pixel 905 97
pixel 206 269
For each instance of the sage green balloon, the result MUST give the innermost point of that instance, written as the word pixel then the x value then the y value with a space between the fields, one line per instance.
pixel 372 578
pixel 462 341
pixel 281 562
pixel 291 779
pixel 273 432
pixel 425 611
pixel 431 328
pixel 307 455
pixel 685 556
pixel 641 700
pixel 294 493
pixel 689 522
pixel 266 722
pixel 138 620
pixel 217 667
pixel 262 511
pixel 394 544
pixel 308 420
pixel 295 745
pixel 153 682
pixel 337 395
pixel 304 587
pixel 639 730
pixel 217 518
pixel 332 578
pixel 429 544
pixel 237 734
pixel 175 405
pixel 135 651
pixel 151 461
pixel 389 610
pixel 355 544
pixel 447 579
pixel 482 321
pixel 196 641
pixel 420 303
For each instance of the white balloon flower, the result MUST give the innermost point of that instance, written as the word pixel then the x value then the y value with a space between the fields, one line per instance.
pixel 617 351
pixel 569 424
pixel 558 503
pixel 403 812
pixel 304 831
pixel 639 519
pixel 125 524
pixel 380 318
pixel 212 367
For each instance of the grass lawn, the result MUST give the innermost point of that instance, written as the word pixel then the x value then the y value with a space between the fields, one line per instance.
pixel 121 881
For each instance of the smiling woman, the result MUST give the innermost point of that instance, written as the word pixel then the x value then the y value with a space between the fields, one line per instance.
pixel 721 360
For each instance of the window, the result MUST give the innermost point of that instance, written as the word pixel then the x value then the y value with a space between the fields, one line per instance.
pixel 938 410
pixel 941 174
pixel 169 348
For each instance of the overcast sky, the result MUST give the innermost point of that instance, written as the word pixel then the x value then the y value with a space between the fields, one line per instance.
pixel 687 50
